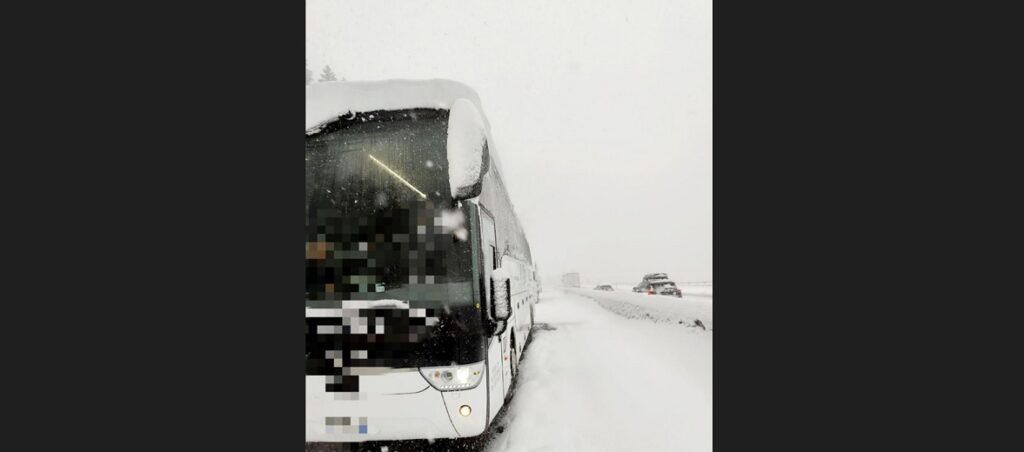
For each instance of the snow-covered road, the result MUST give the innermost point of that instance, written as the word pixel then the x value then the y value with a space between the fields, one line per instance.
pixel 594 381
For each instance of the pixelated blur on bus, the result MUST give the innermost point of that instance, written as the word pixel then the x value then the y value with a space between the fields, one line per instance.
pixel 420 285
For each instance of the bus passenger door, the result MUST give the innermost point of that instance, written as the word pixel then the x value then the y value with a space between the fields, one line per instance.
pixel 495 349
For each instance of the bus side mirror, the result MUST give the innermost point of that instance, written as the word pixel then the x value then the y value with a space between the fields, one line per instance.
pixel 468 158
pixel 501 295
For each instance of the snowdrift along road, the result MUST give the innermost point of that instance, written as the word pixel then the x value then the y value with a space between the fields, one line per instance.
pixel 691 310
pixel 592 380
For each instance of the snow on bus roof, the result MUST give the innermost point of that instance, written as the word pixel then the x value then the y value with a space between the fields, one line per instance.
pixel 328 100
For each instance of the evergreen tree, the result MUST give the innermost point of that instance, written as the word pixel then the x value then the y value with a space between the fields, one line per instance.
pixel 309 74
pixel 328 75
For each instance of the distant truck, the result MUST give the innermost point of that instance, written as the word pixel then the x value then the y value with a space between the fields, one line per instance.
pixel 571 280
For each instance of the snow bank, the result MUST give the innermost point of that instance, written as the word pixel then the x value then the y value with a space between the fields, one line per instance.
pixel 696 291
pixel 328 100
pixel 592 381
pixel 688 310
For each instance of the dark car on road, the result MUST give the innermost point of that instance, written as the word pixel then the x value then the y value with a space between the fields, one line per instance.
pixel 605 287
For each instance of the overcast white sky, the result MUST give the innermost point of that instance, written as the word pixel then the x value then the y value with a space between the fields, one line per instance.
pixel 600 111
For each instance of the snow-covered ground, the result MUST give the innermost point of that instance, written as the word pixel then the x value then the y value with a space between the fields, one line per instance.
pixel 592 380
pixel 696 290
pixel 693 310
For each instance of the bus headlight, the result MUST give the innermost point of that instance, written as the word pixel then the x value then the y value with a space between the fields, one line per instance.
pixel 454 378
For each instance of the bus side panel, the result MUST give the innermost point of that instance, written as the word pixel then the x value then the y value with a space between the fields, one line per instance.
pixel 510 241
pixel 510 237
pixel 521 299
pixel 495 346
pixel 495 382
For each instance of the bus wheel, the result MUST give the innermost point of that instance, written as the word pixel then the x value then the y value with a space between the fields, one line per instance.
pixel 514 359
pixel 514 364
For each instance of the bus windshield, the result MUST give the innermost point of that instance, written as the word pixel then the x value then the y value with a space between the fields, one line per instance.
pixel 378 213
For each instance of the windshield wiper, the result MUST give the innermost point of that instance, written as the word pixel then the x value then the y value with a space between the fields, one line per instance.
pixel 393 173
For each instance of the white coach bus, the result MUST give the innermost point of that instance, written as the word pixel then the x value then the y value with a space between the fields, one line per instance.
pixel 419 282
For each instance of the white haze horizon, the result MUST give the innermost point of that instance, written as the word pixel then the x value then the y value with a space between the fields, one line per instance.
pixel 601 113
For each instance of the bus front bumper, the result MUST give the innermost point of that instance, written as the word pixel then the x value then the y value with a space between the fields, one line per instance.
pixel 360 417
